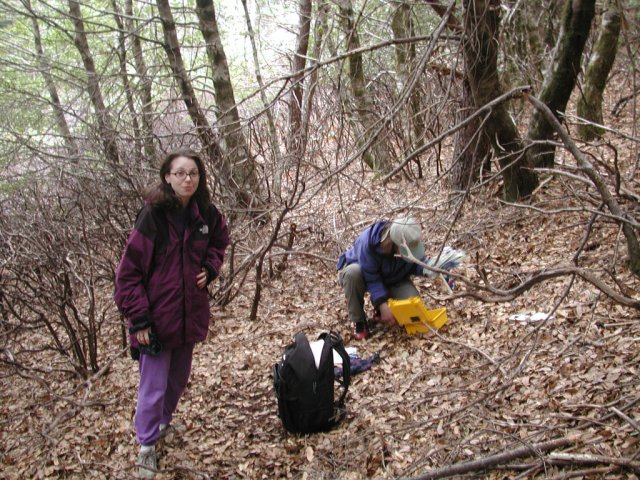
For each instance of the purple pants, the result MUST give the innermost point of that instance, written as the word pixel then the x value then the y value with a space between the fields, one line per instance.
pixel 162 380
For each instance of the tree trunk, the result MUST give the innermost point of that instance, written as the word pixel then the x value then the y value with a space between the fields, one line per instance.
pixel 234 146
pixel 204 131
pixel 561 77
pixel 45 70
pixel 472 148
pixel 145 82
pixel 523 52
pixel 549 23
pixel 105 130
pixel 602 58
pixel 374 152
pixel 534 41
pixel 320 34
pixel 295 147
pixel 402 27
pixel 273 135
pixel 122 60
pixel 326 27
pixel 481 67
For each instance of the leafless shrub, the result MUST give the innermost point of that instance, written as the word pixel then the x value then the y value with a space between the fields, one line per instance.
pixel 60 238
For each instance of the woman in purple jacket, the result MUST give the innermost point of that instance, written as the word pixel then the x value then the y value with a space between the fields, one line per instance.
pixel 174 251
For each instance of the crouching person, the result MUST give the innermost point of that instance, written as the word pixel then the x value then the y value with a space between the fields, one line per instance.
pixel 381 261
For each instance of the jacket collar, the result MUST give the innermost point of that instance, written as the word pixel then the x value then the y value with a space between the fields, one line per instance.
pixel 194 212
pixel 193 215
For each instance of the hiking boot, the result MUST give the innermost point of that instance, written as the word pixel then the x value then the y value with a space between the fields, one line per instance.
pixel 147 462
pixel 361 331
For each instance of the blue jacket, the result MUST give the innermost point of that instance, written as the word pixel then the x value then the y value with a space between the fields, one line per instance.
pixel 378 270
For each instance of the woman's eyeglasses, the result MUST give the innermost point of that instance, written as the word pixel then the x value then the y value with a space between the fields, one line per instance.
pixel 181 174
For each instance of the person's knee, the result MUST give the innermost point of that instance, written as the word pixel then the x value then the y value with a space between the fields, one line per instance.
pixel 352 273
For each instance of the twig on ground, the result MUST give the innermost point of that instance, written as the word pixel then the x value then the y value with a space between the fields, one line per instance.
pixel 626 418
pixel 584 472
pixel 589 459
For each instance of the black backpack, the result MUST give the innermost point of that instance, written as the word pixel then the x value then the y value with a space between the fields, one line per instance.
pixel 306 402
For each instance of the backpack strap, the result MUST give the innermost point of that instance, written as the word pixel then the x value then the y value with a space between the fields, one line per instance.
pixel 336 343
pixel 299 359
pixel 300 339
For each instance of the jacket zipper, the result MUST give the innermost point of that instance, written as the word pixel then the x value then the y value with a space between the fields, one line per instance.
pixel 184 288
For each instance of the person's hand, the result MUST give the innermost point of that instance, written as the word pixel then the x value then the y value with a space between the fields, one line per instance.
pixel 143 336
pixel 201 279
pixel 386 316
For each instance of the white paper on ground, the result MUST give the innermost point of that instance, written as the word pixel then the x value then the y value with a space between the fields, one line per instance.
pixel 531 317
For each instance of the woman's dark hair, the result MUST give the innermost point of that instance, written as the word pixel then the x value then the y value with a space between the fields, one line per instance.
pixel 163 195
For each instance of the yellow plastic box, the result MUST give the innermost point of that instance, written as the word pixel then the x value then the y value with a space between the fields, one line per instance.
pixel 414 316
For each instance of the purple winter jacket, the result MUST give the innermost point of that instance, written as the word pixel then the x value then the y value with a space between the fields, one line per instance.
pixel 156 277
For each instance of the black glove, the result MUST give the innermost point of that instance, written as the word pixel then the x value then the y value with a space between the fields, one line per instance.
pixel 154 347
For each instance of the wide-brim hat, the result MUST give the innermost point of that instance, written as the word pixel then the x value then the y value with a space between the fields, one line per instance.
pixel 405 233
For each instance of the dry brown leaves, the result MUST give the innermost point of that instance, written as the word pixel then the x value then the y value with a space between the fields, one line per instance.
pixel 484 384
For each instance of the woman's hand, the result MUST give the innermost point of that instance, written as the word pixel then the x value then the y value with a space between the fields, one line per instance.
pixel 201 279
pixel 143 336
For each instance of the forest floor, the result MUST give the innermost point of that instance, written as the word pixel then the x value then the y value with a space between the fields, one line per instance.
pixel 482 385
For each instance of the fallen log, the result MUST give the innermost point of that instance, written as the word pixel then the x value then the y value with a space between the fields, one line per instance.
pixel 484 463
pixel 589 459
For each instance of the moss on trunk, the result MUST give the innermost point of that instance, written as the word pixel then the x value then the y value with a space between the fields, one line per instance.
pixel 604 54
pixel 481 67
pixel 376 156
pixel 560 78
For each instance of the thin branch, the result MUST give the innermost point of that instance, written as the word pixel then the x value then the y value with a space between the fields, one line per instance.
pixel 632 240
